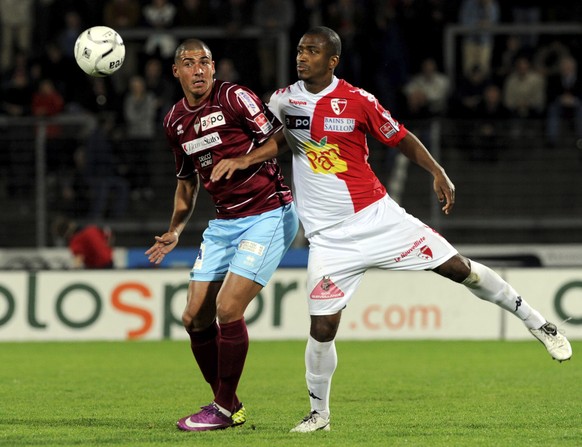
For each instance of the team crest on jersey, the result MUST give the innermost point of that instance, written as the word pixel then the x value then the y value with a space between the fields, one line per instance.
pixel 425 253
pixel 338 105
pixel 247 101
pixel 197 125
pixel 325 158
pixel 263 123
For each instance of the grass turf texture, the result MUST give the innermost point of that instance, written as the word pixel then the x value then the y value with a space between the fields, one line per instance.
pixel 385 393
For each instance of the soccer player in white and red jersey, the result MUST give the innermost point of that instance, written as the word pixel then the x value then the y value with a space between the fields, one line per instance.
pixel 351 222
pixel 255 222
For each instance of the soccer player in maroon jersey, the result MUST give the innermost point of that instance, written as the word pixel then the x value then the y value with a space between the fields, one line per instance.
pixel 255 222
pixel 350 221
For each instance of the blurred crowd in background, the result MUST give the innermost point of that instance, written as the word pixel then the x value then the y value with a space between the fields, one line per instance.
pixel 392 48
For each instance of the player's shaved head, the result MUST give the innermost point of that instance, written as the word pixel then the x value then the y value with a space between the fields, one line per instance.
pixel 191 44
pixel 333 41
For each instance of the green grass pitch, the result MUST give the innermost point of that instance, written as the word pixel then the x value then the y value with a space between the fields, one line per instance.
pixel 385 393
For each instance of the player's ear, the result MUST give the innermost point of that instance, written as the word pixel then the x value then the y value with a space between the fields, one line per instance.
pixel 175 70
pixel 333 62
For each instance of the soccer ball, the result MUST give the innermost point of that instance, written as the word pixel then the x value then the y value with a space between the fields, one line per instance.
pixel 99 51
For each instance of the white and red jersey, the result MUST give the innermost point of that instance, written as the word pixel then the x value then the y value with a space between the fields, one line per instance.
pixel 230 123
pixel 332 178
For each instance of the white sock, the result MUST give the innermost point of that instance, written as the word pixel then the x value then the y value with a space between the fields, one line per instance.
pixel 320 364
pixel 489 286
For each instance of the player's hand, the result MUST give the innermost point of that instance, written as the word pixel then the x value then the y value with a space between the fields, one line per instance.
pixel 445 191
pixel 226 167
pixel 164 245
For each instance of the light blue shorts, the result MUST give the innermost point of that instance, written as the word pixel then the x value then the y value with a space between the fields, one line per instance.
pixel 251 246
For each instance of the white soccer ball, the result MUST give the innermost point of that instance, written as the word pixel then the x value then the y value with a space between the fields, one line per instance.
pixel 99 51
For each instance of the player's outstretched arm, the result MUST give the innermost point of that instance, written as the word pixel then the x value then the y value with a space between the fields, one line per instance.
pixel 417 152
pixel 184 202
pixel 273 147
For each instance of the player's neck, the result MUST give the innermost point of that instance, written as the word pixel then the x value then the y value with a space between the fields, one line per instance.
pixel 314 87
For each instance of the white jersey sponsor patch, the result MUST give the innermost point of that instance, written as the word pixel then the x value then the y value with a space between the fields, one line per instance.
pixel 202 143
pixel 248 102
pixel 332 124
pixel 213 120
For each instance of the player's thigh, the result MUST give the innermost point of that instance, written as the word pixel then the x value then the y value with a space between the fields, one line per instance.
pixel 263 244
pixel 334 272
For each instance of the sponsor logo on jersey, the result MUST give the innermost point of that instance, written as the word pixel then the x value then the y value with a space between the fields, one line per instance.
pixel 263 123
pixel 297 102
pixel 205 160
pixel 325 158
pixel 212 120
pixel 202 143
pixel 333 124
pixel 297 122
pixel 338 105
pixel 179 129
pixel 326 290
pixel 409 250
pixel 390 127
pixel 252 247
pixel 248 101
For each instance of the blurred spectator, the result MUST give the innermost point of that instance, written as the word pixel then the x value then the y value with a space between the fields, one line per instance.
pixel 548 55
pixel 490 128
pixel 271 16
pixel 564 97
pixel 68 35
pixel 527 12
pixel 46 102
pixel 477 46
pixel 16 20
pixel 17 151
pixel 158 83
pixel 99 166
pixel 469 93
pixel 391 64
pixel 160 15
pixel 193 13
pixel 428 91
pixel 91 245
pixel 121 15
pixel 226 71
pixel 348 19
pixel 524 90
pixel 139 110
pixel 505 60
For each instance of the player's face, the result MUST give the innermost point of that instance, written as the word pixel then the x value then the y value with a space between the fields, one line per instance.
pixel 195 71
pixel 314 64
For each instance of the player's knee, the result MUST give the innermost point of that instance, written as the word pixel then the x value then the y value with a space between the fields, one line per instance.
pixel 229 312
pixel 324 328
pixel 456 269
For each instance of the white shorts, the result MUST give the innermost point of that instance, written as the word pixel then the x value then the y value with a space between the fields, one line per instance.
pixel 383 236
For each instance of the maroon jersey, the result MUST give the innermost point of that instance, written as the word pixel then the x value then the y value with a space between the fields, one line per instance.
pixel 230 123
